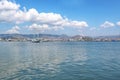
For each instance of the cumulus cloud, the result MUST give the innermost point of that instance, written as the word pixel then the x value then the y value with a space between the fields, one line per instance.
pixel 7 5
pixel 56 28
pixel 43 27
pixel 118 23
pixel 13 30
pixel 11 12
pixel 78 24
pixel 107 24
pixel 36 27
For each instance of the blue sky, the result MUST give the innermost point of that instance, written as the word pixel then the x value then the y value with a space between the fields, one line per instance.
pixel 71 17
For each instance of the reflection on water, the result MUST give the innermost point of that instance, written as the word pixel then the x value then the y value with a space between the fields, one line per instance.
pixel 59 61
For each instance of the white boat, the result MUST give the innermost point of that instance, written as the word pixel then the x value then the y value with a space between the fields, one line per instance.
pixel 36 40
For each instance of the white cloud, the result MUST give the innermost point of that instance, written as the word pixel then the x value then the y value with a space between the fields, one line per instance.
pixel 78 24
pixel 107 24
pixel 13 30
pixel 11 12
pixel 55 28
pixel 8 5
pixel 39 28
pixel 49 17
pixel 43 27
pixel 118 23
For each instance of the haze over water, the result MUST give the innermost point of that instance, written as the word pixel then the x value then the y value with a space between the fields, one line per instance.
pixel 60 61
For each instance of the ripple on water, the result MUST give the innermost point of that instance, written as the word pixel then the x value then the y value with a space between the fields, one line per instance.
pixel 60 61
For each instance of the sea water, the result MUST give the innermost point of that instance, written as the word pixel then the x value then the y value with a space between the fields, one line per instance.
pixel 60 61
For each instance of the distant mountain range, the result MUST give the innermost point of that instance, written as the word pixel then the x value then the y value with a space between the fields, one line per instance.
pixel 32 36
pixel 50 35
pixel 59 37
pixel 111 37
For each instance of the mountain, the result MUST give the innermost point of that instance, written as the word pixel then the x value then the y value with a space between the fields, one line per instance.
pixel 110 37
pixel 51 37
pixel 6 36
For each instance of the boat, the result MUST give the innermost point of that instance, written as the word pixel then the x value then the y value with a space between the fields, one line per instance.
pixel 36 41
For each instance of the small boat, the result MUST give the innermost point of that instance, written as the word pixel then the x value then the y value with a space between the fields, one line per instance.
pixel 36 41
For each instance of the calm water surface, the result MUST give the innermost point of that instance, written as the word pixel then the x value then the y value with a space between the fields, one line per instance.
pixel 60 61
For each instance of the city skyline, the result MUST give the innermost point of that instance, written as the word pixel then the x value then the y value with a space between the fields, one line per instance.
pixel 70 17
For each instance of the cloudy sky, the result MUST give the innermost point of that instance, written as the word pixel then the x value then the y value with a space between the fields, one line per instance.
pixel 71 17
